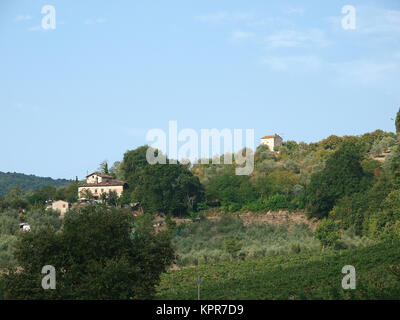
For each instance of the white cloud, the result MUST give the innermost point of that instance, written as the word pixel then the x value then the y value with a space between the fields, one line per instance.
pixel 23 17
pixel 292 38
pixel 242 35
pixel 307 63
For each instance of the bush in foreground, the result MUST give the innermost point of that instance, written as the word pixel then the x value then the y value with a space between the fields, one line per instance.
pixel 96 256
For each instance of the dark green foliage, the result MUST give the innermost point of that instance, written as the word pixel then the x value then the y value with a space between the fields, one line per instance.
pixel 301 276
pixel 104 167
pixel 167 188
pixel 331 143
pixel 327 232
pixel 94 257
pixel 279 181
pixel 9 181
pixel 395 170
pixel 368 139
pixel 68 193
pixel 397 123
pixel 40 196
pixel 15 199
pixel 7 251
pixel 359 211
pixel 274 203
pixel 341 176
pixel 116 171
pixel 20 199
pixel 230 191
pixel 263 153
pixel 232 247
pixel 9 229
pixel 370 165
pixel 110 198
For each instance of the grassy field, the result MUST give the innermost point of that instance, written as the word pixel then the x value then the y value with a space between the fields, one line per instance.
pixel 294 276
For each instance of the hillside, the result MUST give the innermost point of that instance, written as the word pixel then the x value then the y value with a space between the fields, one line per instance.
pixel 301 276
pixel 9 180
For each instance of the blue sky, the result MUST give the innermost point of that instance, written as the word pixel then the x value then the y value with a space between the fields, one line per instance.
pixel 112 70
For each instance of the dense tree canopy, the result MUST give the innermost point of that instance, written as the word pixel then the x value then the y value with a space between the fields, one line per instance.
pixel 166 188
pixel 95 257
pixel 9 181
pixel 341 176
pixel 230 190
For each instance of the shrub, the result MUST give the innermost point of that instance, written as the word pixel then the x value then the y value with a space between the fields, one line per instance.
pixel 277 201
pixel 94 256
pixel 7 243
pixel 232 247
pixel 327 232
pixel 202 206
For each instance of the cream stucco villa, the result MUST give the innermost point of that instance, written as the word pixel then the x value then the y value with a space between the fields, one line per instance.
pixel 98 183
pixel 272 141
pixel 61 206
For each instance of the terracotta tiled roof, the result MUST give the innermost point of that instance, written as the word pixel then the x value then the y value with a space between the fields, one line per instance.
pixel 110 183
pixel 270 137
pixel 100 174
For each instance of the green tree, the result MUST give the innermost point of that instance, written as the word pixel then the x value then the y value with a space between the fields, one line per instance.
pixel 40 196
pixel 94 256
pixel 116 171
pixel 167 188
pixel 112 198
pixel 229 190
pixel 341 176
pixel 397 123
pixel 232 247
pixel 277 181
pixel 68 193
pixel 263 153
pixel 331 143
pixel 395 169
pixel 385 224
pixel 327 232
pixel 104 167
pixel 87 194
pixel 15 199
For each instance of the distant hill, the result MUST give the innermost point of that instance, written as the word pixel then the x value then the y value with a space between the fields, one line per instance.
pixel 9 180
